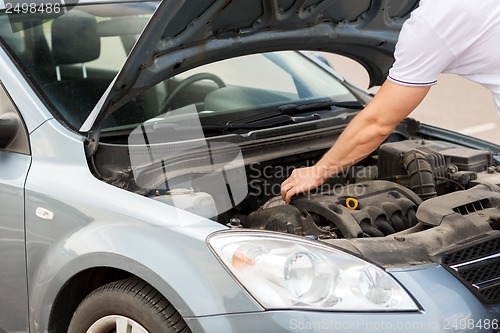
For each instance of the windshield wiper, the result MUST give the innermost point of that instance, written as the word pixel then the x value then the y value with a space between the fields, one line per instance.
pixel 318 105
pixel 296 108
pixel 283 115
pixel 258 124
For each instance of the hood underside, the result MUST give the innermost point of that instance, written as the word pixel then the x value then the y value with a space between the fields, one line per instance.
pixel 185 34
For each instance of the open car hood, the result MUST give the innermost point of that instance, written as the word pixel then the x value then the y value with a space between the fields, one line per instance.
pixel 183 34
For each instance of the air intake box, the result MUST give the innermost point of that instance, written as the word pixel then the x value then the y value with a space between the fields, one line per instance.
pixel 438 153
pixel 390 155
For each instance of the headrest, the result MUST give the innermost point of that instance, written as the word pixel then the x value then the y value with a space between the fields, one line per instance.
pixel 75 39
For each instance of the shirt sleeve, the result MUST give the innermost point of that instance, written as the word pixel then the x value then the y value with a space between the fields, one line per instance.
pixel 421 54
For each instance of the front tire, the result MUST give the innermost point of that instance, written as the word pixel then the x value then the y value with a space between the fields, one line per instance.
pixel 129 305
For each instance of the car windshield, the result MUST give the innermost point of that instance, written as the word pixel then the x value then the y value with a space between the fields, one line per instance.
pixel 246 88
pixel 72 58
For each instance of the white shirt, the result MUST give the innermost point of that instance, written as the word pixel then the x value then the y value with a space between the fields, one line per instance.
pixel 450 36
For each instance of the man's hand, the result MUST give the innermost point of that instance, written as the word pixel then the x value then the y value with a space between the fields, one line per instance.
pixel 362 136
pixel 303 180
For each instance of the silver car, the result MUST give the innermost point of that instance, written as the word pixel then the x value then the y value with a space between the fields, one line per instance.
pixel 143 145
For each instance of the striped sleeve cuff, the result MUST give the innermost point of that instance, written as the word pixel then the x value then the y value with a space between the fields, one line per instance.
pixel 415 84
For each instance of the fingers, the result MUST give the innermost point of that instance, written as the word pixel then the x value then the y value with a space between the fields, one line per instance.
pixel 294 187
pixel 300 181
pixel 290 186
pixel 287 190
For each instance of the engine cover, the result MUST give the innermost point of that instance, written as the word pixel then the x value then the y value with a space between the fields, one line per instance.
pixel 368 209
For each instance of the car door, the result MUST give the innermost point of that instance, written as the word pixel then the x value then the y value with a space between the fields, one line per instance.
pixel 15 161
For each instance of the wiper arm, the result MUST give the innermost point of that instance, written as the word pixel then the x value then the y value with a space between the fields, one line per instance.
pixel 283 115
pixel 294 108
pixel 258 124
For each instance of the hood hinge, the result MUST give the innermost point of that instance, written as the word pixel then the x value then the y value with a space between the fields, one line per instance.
pixel 92 142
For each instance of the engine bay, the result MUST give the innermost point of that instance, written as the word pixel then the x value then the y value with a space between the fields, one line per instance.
pixel 378 197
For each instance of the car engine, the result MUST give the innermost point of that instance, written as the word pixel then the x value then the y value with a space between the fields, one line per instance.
pixel 376 198
pixel 379 196
pixel 379 199
pixel 380 209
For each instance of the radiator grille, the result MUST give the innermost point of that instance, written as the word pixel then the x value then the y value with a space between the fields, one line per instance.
pixel 478 267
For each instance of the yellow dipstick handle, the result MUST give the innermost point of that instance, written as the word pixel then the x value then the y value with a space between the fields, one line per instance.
pixel 351 203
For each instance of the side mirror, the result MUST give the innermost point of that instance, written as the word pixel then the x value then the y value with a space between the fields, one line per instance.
pixel 9 126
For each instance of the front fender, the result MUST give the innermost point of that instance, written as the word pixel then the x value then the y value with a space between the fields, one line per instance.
pixel 177 262
pixel 93 224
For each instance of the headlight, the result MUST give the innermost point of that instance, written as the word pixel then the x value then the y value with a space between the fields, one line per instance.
pixel 282 271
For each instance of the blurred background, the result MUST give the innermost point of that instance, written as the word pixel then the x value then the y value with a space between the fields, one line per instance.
pixel 454 103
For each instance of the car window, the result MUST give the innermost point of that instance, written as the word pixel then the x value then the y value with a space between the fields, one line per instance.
pixel 71 59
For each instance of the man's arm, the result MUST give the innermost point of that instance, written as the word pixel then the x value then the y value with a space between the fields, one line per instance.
pixel 362 136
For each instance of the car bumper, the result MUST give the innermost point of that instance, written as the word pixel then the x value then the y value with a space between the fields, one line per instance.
pixel 447 306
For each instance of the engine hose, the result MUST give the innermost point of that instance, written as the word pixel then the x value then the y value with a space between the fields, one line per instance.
pixel 420 172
